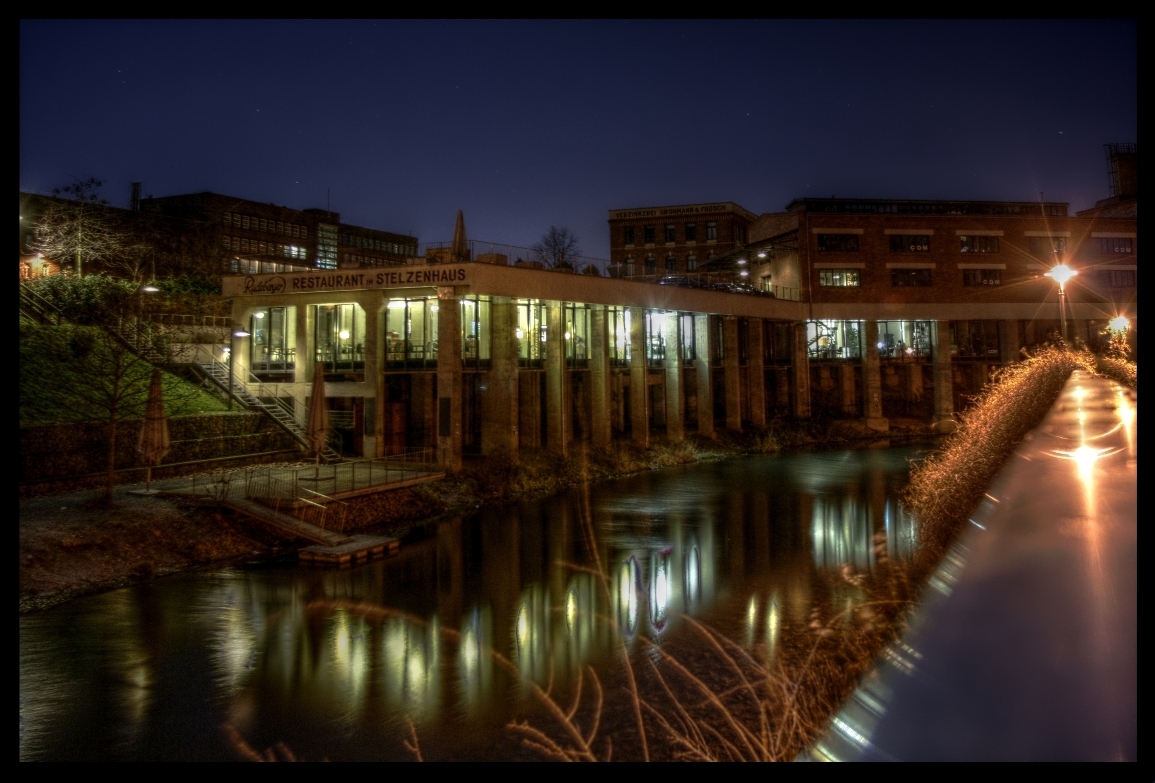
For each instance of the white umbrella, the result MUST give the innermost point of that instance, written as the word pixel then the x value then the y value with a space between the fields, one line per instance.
pixel 154 441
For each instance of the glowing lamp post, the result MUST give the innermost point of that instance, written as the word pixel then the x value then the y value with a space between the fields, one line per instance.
pixel 1119 324
pixel 1061 274
pixel 241 332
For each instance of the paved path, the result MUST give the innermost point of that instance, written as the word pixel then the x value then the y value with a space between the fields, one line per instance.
pixel 1027 650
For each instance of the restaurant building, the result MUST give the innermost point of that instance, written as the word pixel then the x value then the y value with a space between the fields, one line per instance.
pixel 884 310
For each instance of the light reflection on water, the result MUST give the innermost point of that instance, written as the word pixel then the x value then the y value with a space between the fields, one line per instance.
pixel 286 654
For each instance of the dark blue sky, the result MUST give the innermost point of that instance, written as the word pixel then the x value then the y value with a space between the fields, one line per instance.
pixel 528 124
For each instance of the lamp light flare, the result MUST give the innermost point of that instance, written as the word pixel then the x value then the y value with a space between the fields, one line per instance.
pixel 343 334
pixel 258 314
pixel 1061 274
pixel 1120 323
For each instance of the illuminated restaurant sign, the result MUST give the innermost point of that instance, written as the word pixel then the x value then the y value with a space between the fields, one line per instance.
pixel 305 282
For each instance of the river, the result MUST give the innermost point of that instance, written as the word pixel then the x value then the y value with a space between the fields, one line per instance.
pixel 281 653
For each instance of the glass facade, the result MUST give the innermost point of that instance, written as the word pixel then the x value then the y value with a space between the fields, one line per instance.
pixel 655 338
pixel 475 331
pixel 618 325
pixel 411 333
pixel 273 348
pixel 531 331
pixel 840 278
pixel 904 339
pixel 340 337
pixel 577 335
pixel 975 340
pixel 686 335
pixel 834 339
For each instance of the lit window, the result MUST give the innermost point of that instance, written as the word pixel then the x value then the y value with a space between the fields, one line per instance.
pixel 840 278
pixel 974 244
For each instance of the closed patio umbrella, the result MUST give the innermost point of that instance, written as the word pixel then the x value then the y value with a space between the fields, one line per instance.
pixel 318 426
pixel 154 441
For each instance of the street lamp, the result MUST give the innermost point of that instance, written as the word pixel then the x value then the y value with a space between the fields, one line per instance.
pixel 1061 274
pixel 239 332
pixel 1119 323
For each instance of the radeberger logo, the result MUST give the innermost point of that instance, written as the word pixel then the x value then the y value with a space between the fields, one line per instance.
pixel 274 285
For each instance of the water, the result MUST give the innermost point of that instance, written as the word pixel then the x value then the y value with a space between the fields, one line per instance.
pixel 289 654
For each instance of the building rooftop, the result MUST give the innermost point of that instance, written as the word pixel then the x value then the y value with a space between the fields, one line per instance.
pixel 869 206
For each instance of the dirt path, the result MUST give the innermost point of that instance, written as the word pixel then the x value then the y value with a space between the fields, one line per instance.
pixel 71 544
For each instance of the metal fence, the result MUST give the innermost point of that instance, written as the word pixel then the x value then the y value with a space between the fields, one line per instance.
pixel 514 254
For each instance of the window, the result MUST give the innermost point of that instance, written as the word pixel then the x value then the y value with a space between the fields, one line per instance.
pixel 227 218
pixel 670 233
pixel 577 335
pixel 618 324
pixel 686 336
pixel 630 267
pixel 840 278
pixel 1115 245
pixel 264 224
pixel 1119 278
pixel 1046 246
pixel 910 277
pixel 711 231
pixel 530 333
pixel 326 247
pixel 909 243
pixel 691 263
pixel 978 244
pixel 411 332
pixel 655 338
pixel 975 340
pixel 651 265
pixel 973 277
pixel 904 339
pixel 340 337
pixel 628 235
pixel 648 232
pixel 475 331
pixel 226 241
pixel 691 232
pixel 834 339
pixel 274 343
pixel 838 243
pixel 671 264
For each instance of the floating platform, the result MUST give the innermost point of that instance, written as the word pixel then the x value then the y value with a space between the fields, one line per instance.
pixel 359 549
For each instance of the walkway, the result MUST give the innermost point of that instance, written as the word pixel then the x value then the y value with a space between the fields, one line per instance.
pixel 1027 649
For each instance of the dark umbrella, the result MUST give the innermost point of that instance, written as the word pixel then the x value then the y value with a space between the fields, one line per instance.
pixel 154 442
pixel 318 427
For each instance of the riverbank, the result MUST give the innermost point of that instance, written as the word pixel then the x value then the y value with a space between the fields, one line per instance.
pixel 73 544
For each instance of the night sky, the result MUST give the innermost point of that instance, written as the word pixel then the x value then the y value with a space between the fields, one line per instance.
pixel 527 124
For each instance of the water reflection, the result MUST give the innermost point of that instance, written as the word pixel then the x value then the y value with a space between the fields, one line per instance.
pixel 284 653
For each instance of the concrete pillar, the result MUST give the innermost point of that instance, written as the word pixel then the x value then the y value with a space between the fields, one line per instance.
pixel 306 344
pixel 600 395
pixel 529 409
pixel 557 385
pixel 872 380
pixel 800 372
pixel 943 381
pixel 756 375
pixel 242 318
pixel 675 406
pixel 848 394
pixel 639 393
pixel 374 307
pixel 912 383
pixel 703 373
pixel 733 373
pixel 499 401
pixel 1012 341
pixel 449 373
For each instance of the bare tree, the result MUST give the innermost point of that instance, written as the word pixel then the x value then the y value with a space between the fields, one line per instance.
pixel 77 225
pixel 558 248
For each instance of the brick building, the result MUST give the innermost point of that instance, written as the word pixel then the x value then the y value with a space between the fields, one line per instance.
pixel 257 237
pixel 659 241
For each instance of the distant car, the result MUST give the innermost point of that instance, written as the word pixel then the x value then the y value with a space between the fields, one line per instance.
pixel 674 280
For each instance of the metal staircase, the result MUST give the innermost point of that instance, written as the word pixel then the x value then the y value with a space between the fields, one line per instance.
pixel 35 307
pixel 277 409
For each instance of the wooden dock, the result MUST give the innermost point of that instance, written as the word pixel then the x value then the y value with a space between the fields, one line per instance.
pixel 358 549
